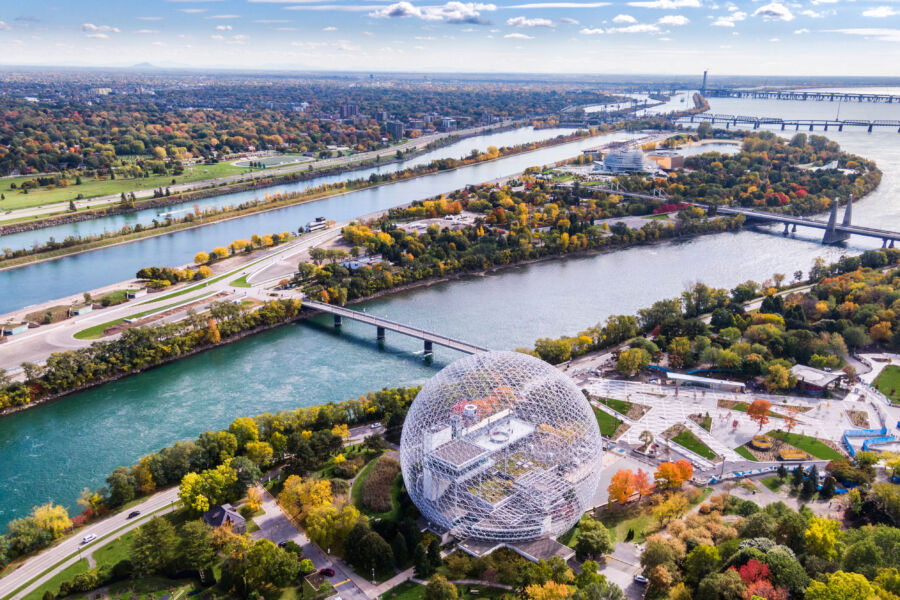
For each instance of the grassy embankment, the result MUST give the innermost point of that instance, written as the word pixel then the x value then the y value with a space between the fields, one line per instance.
pixel 888 382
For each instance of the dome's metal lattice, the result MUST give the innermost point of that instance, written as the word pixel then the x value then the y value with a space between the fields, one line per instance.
pixel 501 446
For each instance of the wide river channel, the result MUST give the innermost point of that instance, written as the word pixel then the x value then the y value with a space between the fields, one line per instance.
pixel 53 451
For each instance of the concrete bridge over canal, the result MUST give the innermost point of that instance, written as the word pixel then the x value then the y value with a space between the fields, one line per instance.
pixel 797 124
pixel 834 232
pixel 383 325
pixel 800 95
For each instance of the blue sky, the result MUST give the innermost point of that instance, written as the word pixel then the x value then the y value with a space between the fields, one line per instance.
pixel 777 37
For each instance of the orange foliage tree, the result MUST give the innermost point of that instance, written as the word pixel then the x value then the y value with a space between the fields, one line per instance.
pixel 758 411
pixel 643 483
pixel 670 475
pixel 622 485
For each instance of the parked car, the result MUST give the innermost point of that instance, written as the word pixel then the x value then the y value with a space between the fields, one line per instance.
pixel 89 538
pixel 641 579
pixel 133 514
pixel 327 572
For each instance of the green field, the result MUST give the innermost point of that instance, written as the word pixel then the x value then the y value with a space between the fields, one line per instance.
pixel 409 590
pixel 606 421
pixel 93 333
pixel 774 482
pixel 52 584
pixel 888 382
pixel 620 406
pixel 745 452
pixel 808 444
pixel 690 441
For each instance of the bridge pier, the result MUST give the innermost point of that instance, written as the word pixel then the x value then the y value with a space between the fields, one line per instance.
pixel 794 228
pixel 832 235
pixel 891 245
pixel 884 242
pixel 379 333
pixel 841 127
pixel 782 126
pixel 826 126
pixel 810 127
pixel 338 321
pixel 786 228
pixel 429 349
pixel 797 127
pixel 870 128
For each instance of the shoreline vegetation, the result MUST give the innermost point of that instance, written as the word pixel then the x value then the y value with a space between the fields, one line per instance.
pixel 75 245
pixel 518 227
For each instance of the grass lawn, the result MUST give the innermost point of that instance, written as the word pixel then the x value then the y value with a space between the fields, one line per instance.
pixel 606 421
pixel 620 406
pixel 356 494
pixel 117 297
pixel 414 591
pixel 745 452
pixel 54 582
pixel 637 517
pixel 93 333
pixel 690 441
pixel 808 444
pixel 706 423
pixel 773 483
pixel 888 382
pixel 240 282
pixel 116 550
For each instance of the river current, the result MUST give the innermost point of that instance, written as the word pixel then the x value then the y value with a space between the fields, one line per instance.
pixel 51 452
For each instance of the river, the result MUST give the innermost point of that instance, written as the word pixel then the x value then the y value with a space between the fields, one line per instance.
pixel 51 452
pixel 73 274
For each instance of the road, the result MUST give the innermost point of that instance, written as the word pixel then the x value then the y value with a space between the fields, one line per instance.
pixel 327 163
pixel 71 550
pixel 37 344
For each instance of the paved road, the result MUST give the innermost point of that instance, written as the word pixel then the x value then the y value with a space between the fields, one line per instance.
pixel 327 163
pixel 71 550
pixel 37 344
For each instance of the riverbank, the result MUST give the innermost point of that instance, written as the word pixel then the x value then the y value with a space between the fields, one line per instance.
pixel 258 206
pixel 206 188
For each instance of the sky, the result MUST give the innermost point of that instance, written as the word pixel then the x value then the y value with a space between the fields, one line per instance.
pixel 746 37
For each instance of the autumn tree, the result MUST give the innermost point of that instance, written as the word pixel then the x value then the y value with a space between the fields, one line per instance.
pixel 438 588
pixel 643 483
pixel 212 332
pixel 52 518
pixel 622 486
pixel 822 537
pixel 671 475
pixel 201 258
pixel 632 361
pixel 758 411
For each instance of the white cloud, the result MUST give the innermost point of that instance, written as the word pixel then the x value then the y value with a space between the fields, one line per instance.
pixel 568 21
pixel 98 36
pixel 774 40
pixel 587 31
pixel 816 2
pixel 884 35
pixel 639 28
pixel 451 12
pixel 224 17
pixel 801 31
pixel 518 36
pixel 730 20
pixel 561 5
pixel 624 19
pixel 223 27
pixel 524 22
pixel 774 11
pixel 675 20
pixel 667 4
pixel 329 28
pixel 217 37
pixel 91 28
pixel 812 14
pixel 880 12
pixel 193 11
pixel 147 31
pixel 4 26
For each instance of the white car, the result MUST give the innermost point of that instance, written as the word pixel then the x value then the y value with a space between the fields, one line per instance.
pixel 89 538
pixel 374 425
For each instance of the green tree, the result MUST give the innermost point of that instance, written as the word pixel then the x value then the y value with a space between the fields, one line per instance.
pixel 822 537
pixel 421 565
pixel 841 586
pixel 434 553
pixel 264 564
pixel 196 550
pixel 592 544
pixel 699 562
pixel 401 553
pixel 632 361
pixel 721 586
pixel 154 548
pixel 439 588
pixel 120 484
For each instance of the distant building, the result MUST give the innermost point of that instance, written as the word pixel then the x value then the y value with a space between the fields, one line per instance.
pixel 626 160
pixel 814 381
pixel 349 110
pixel 14 328
pixel 705 382
pixel 416 124
pixel 225 515
pixel 362 261
pixel 448 124
pixel 82 310
pixel 318 224
pixel 381 116
pixel 395 129
pixel 667 159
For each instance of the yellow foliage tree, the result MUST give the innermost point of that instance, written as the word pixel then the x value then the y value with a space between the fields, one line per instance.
pixel 254 499
pixel 549 591
pixel 52 518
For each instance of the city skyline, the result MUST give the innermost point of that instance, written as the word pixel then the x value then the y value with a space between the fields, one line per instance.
pixel 834 37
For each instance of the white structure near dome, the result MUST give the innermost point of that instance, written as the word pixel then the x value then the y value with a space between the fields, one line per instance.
pixel 625 160
pixel 501 447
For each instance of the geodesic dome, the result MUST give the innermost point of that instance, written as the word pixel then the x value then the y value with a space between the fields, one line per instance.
pixel 501 446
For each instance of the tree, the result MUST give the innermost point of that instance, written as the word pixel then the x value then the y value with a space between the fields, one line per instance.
pixel 376 553
pixel 244 430
pixel 196 550
pixel 622 486
pixel 201 258
pixel 699 562
pixel 121 486
pixel 154 547
pixel 201 491
pixel 439 588
pixel 643 483
pixel 841 586
pixel 421 565
pixel 671 475
pixel 632 361
pixel 721 586
pixel 260 453
pixel 778 378
pixel 213 336
pixel 263 564
pixel 821 537
pixel 401 553
pixel 593 543
pixel 434 553
pixel 254 499
pixel 758 411
pixel 52 518
pixel 550 590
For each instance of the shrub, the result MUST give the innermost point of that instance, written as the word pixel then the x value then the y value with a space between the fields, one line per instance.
pixel 376 491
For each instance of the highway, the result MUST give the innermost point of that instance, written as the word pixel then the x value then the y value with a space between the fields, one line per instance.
pixel 71 550
pixel 326 163
pixel 37 344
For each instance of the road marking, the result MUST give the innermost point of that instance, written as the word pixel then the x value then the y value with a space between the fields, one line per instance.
pixel 341 583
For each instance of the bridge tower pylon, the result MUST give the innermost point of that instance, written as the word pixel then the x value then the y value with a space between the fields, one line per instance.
pixel 848 212
pixel 832 235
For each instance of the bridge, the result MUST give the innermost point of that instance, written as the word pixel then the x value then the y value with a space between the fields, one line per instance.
pixel 802 96
pixel 834 232
pixel 383 325
pixel 810 124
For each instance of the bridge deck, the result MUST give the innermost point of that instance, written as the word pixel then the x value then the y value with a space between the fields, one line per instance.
pixel 421 334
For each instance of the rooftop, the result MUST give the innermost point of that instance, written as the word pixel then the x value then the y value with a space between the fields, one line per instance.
pixel 815 376
pixel 458 453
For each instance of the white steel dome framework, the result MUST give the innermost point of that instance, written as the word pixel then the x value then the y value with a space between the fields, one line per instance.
pixel 501 446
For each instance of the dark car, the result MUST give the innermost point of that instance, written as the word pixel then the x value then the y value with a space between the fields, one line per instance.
pixel 133 514
pixel 327 572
